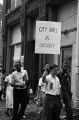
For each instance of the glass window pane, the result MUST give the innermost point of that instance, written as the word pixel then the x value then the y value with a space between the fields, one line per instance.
pixel 18 2
pixel 17 53
pixel 12 4
pixel 67 57
pixel 15 3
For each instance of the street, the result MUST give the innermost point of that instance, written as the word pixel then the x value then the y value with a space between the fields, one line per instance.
pixel 32 112
pixel 2 111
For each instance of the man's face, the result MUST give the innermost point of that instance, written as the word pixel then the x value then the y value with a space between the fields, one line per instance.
pixel 18 67
pixel 54 71
pixel 64 68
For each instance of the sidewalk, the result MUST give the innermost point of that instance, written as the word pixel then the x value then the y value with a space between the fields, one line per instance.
pixel 32 112
pixel 2 111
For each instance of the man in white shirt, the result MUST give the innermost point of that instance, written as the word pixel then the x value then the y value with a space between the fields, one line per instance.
pixel 52 97
pixel 20 83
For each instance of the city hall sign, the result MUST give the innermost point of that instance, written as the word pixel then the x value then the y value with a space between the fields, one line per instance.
pixel 48 37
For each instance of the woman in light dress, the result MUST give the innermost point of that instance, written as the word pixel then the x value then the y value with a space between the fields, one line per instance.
pixel 9 94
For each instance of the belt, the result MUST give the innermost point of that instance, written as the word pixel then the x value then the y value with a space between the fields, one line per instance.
pixel 52 95
pixel 21 87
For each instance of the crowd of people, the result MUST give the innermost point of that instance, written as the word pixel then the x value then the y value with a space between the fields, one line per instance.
pixel 53 88
pixel 15 90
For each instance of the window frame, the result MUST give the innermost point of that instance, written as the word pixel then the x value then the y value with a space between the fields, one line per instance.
pixel 68 60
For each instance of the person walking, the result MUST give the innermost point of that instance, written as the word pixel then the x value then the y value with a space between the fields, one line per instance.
pixel 52 97
pixel 20 93
pixel 65 81
pixel 41 90
pixel 9 93
pixel 41 86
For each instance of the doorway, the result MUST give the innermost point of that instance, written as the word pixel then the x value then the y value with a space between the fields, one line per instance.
pixel 32 64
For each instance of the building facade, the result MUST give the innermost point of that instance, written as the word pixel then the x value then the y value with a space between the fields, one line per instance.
pixel 19 28
pixel 1 12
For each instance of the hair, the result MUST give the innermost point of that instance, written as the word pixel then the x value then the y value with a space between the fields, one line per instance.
pixel 53 66
pixel 12 70
pixel 64 64
pixel 17 63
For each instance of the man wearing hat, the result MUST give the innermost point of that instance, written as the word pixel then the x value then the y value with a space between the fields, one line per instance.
pixel 20 83
pixel 52 97
pixel 65 81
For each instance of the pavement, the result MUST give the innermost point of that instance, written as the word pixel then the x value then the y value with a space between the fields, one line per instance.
pixel 32 112
pixel 2 111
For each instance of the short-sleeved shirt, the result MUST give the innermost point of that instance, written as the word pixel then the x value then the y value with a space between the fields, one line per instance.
pixel 19 78
pixel 52 85
pixel 42 85
pixel 8 79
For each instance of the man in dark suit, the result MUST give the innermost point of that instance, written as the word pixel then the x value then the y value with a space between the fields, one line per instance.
pixel 65 81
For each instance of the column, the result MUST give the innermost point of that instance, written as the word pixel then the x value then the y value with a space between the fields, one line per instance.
pixel 8 67
pixel 52 17
pixel 43 15
pixel 4 33
pixel 76 101
pixel 23 26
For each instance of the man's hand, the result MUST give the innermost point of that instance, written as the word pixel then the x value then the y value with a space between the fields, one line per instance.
pixel 47 67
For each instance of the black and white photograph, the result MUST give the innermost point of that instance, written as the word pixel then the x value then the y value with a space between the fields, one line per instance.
pixel 39 59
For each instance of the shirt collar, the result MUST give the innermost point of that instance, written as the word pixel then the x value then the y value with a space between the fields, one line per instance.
pixel 52 76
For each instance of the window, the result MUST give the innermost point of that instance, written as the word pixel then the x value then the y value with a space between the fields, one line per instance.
pixel 15 3
pixel 15 46
pixel 66 56
pixel 17 52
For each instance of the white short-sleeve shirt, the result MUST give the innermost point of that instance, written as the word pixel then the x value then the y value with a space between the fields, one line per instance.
pixel 52 85
pixel 42 85
pixel 18 77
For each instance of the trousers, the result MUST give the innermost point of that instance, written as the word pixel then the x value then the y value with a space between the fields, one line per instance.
pixel 20 101
pixel 69 111
pixel 52 107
